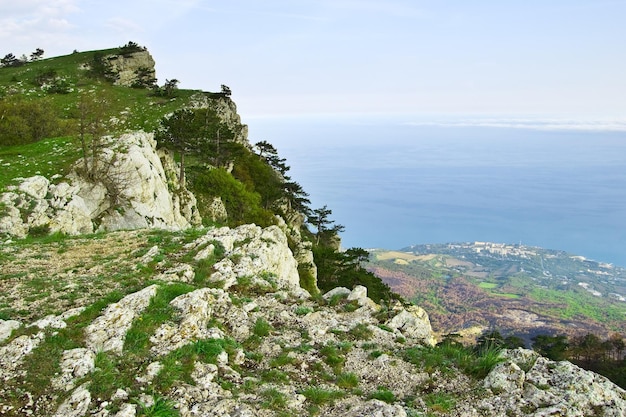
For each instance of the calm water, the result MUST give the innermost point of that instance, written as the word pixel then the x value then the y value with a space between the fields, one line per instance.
pixel 394 184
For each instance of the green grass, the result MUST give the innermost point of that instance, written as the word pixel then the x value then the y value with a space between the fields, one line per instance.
pixel 383 394
pixel 321 396
pixel 487 285
pixel 450 358
pixel 347 380
pixel 273 399
pixel 441 402
pixel 261 327
pixel 162 407
pixel 47 157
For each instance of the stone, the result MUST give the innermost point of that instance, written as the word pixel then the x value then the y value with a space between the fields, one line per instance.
pixel 75 363
pixel 13 354
pixel 196 309
pixel 413 322
pixel 76 405
pixel 126 66
pixel 127 410
pixel 338 291
pixel 505 377
pixel 7 327
pixel 36 187
pixel 107 332
pixel 137 193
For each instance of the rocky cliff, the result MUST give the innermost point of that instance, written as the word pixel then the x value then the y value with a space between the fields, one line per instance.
pixel 132 190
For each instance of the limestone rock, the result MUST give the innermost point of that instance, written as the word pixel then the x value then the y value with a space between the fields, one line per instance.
pixel 76 363
pixel 57 322
pixel 36 187
pixel 7 327
pixel 76 405
pixel 376 408
pixel 261 253
pixel 131 190
pixel 126 66
pixel 413 322
pixel 550 388
pixel 14 353
pixel 108 331
pixel 195 309
pixel 226 110
pixel 127 410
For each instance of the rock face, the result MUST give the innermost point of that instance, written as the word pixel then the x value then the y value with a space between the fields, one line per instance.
pixel 529 385
pixel 132 190
pixel 127 66
pixel 226 110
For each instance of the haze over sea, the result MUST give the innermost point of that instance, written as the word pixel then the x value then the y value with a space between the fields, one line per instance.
pixel 397 181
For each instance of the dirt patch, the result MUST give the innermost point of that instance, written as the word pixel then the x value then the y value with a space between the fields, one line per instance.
pixel 48 278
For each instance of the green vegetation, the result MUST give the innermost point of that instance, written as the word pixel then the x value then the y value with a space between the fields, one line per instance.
pixel 449 357
pixel 383 394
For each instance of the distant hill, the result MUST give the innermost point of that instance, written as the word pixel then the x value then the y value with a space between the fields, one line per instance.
pixel 517 289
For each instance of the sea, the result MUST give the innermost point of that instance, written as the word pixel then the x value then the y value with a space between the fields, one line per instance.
pixel 395 181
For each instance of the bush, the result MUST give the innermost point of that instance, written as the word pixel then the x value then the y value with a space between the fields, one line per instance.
pixel 24 122
pixel 242 205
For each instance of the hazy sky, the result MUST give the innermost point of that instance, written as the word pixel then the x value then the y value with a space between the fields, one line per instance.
pixel 543 57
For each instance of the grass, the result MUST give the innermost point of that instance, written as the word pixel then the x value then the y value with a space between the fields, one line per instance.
pixel 261 327
pixel 441 402
pixel 47 157
pixel 347 380
pixel 273 399
pixel 162 407
pixel 448 358
pixel 320 396
pixel 383 394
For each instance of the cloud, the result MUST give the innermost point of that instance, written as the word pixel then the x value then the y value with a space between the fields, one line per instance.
pixel 26 23
pixel 530 123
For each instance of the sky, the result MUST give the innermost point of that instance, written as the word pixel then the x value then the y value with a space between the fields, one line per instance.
pixel 315 57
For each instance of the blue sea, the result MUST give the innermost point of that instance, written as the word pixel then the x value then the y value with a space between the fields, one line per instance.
pixel 397 181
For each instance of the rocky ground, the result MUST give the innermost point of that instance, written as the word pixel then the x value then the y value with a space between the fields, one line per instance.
pixel 214 322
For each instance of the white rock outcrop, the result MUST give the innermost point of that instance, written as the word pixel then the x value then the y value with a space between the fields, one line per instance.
pixel 131 190
pixel 108 331
pixel 127 66
pixel 549 388
pixel 252 251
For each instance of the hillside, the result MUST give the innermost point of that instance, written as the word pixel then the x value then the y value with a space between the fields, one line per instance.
pixel 155 263
pixel 517 289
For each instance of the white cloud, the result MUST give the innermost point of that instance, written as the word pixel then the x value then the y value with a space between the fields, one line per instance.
pixel 25 24
pixel 530 123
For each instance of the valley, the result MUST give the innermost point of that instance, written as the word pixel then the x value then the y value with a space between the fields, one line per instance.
pixel 516 289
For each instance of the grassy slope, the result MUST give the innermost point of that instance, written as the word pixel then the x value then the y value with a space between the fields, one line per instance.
pixel 134 108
